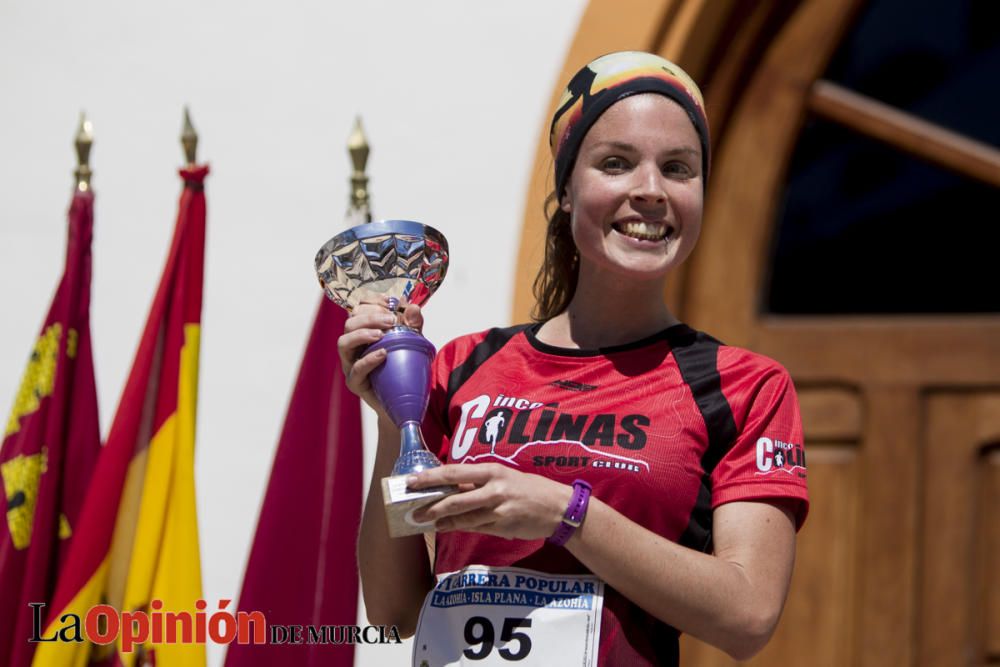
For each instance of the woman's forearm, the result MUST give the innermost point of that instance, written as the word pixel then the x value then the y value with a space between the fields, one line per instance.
pixel 731 600
pixel 395 572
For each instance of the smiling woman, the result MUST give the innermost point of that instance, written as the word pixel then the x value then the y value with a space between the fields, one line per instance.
pixel 648 480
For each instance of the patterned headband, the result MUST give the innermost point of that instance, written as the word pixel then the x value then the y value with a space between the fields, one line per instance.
pixel 612 78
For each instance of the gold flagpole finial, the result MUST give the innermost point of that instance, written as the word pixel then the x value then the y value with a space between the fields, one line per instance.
pixel 357 147
pixel 189 139
pixel 84 142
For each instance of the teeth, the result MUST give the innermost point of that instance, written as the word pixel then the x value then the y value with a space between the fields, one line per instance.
pixel 647 231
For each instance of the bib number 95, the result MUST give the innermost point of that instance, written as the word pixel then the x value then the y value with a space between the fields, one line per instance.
pixel 479 631
pixel 497 616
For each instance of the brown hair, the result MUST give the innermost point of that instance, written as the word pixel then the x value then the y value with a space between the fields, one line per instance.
pixel 555 283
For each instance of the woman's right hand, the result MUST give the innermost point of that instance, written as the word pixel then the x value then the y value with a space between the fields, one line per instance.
pixel 366 325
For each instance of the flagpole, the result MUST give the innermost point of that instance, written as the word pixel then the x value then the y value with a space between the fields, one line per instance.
pixel 84 142
pixel 189 139
pixel 359 209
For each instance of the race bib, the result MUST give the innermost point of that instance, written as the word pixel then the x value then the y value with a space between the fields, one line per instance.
pixel 496 616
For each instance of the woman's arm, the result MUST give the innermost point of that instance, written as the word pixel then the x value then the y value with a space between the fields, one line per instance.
pixel 731 599
pixel 395 572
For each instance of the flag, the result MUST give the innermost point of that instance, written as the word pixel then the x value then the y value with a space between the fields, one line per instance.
pixel 303 566
pixel 50 443
pixel 137 539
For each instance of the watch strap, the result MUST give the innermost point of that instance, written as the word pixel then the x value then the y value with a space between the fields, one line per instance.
pixel 575 513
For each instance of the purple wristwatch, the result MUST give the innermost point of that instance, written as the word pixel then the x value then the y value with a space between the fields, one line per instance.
pixel 574 513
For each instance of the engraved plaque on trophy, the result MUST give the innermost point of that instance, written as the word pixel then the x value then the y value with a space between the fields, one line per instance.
pixel 405 262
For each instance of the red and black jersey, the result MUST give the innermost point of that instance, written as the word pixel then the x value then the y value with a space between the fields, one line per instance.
pixel 665 429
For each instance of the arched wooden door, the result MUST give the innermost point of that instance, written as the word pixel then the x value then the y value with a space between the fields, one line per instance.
pixel 898 563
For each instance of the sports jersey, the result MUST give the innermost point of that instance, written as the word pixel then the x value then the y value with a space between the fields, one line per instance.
pixel 665 430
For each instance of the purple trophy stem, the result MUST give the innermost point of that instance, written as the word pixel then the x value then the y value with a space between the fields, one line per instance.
pixel 402 385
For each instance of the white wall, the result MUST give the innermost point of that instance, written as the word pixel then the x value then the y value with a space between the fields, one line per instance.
pixel 452 94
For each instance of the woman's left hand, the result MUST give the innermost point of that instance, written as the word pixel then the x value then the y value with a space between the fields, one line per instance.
pixel 495 500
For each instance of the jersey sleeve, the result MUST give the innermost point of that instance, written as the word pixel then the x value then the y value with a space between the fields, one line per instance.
pixel 767 460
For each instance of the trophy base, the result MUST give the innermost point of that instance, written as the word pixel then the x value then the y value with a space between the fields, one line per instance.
pixel 401 503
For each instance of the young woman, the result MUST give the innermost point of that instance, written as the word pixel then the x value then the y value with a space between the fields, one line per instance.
pixel 623 478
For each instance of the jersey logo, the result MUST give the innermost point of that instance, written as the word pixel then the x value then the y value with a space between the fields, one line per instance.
pixel 573 386
pixel 776 456
pixel 520 431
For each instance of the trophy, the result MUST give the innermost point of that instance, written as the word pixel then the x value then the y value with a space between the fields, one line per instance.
pixel 406 262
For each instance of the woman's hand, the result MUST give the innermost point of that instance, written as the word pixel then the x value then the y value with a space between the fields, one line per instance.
pixel 495 500
pixel 366 325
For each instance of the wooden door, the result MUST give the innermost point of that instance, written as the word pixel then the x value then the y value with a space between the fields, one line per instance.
pixel 960 529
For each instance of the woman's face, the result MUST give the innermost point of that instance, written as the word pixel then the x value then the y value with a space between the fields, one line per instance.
pixel 635 195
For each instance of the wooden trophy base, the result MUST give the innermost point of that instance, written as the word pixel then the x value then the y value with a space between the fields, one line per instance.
pixel 401 503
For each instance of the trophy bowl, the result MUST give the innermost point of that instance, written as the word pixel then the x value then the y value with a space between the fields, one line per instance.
pixel 399 259
pixel 397 262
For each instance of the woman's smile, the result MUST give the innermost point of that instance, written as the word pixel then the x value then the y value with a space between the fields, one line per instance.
pixel 642 230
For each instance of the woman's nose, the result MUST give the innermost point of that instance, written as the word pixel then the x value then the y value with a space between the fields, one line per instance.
pixel 648 187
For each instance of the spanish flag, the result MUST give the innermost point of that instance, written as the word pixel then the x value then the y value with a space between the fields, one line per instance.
pixel 50 444
pixel 137 539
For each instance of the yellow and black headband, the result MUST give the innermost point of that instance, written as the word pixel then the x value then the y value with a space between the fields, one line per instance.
pixel 612 78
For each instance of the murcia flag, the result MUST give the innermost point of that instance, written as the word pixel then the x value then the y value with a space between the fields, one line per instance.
pixel 50 443
pixel 137 538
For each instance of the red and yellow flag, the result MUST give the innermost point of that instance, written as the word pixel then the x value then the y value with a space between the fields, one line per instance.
pixel 137 539
pixel 50 444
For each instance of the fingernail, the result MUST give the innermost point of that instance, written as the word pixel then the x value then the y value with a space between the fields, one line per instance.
pixel 411 480
pixel 389 319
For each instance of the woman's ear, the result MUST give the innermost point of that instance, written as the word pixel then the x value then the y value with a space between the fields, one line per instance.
pixel 564 202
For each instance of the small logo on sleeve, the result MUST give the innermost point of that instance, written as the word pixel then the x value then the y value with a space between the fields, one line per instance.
pixel 776 456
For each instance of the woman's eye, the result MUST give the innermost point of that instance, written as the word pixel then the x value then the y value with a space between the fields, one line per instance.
pixel 613 164
pixel 677 169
